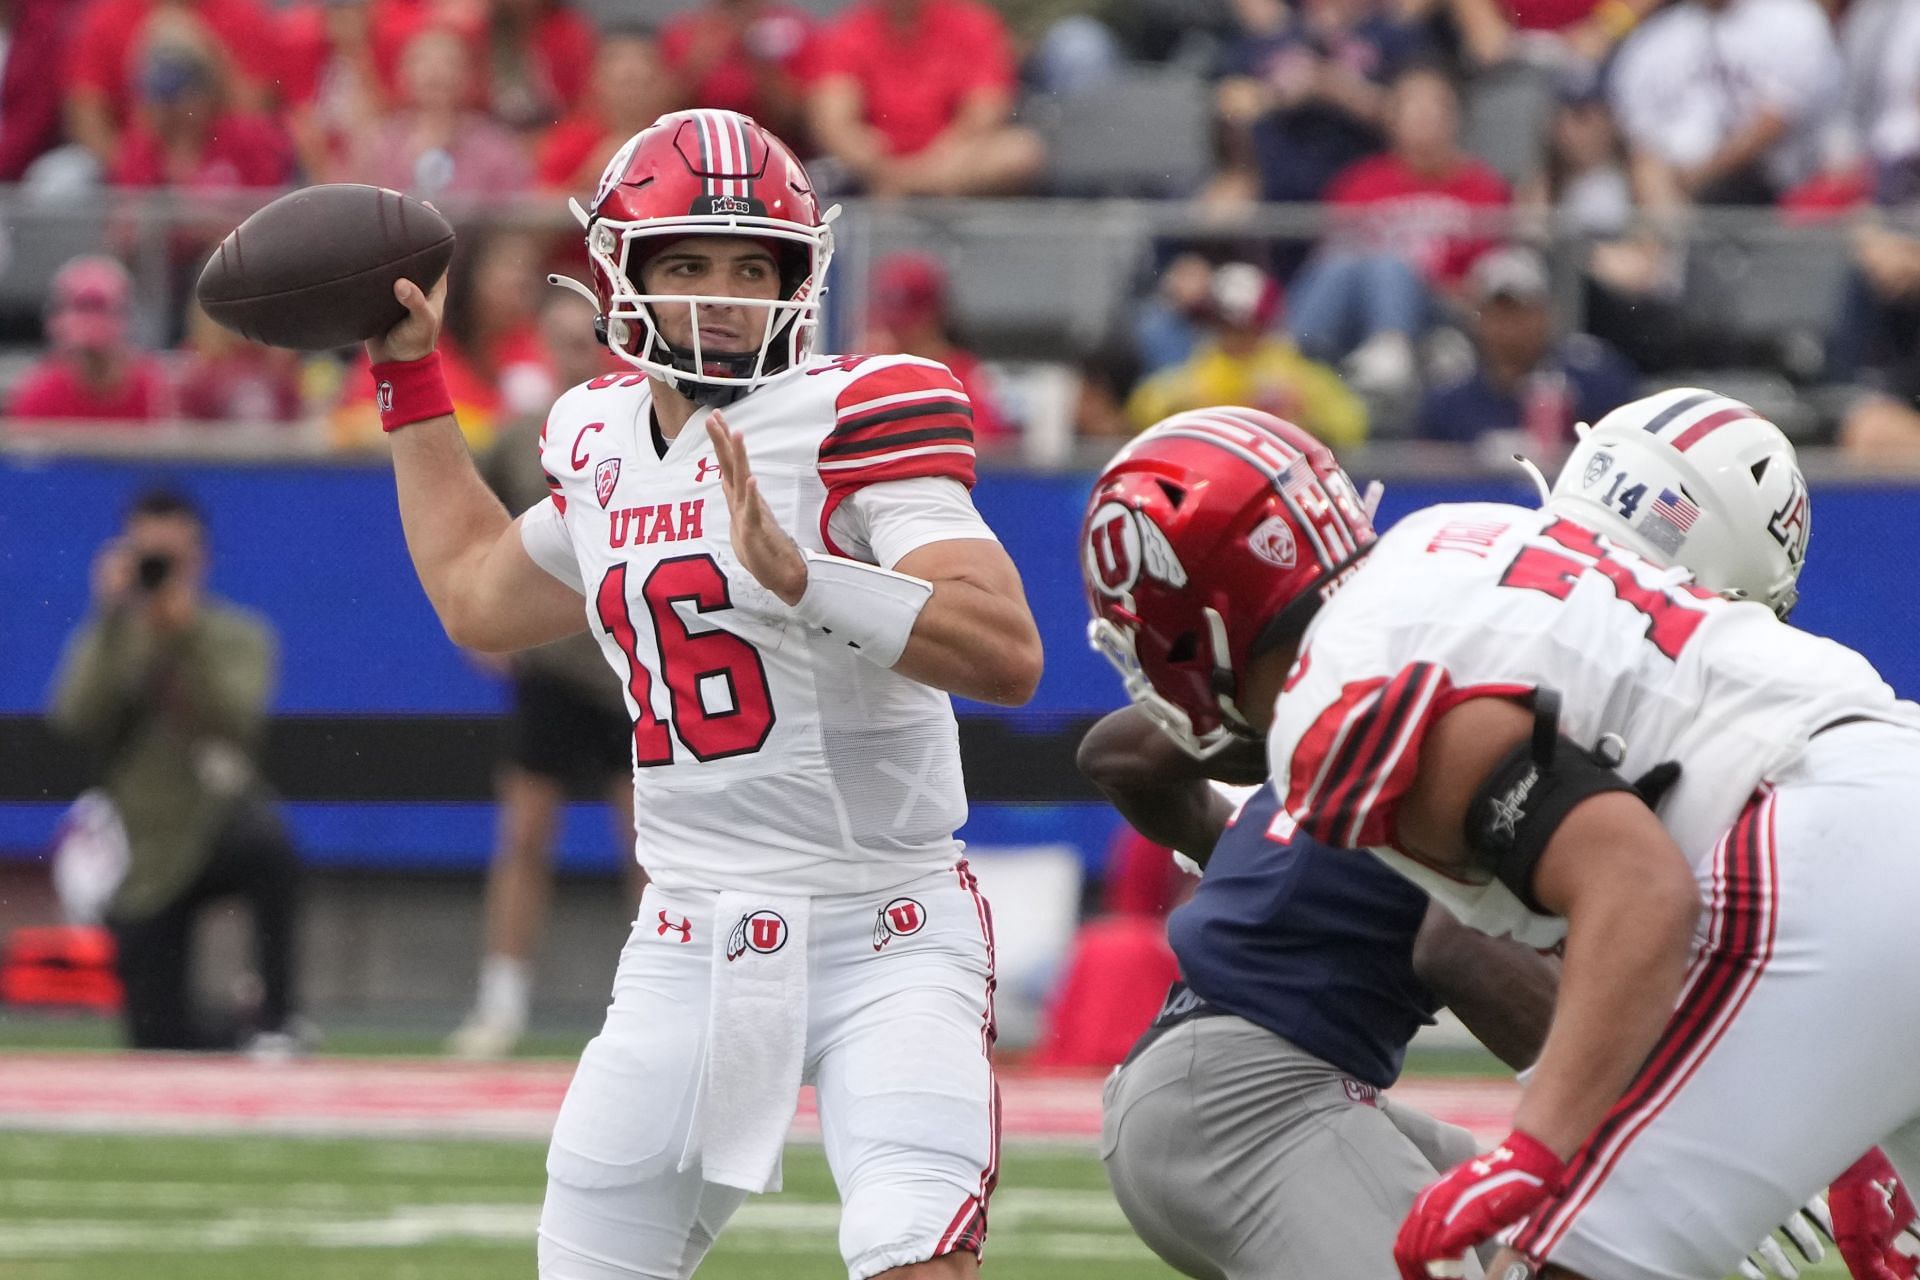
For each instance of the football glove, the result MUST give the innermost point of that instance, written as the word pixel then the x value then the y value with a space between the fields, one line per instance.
pixel 1874 1221
pixel 1809 1231
pixel 1475 1201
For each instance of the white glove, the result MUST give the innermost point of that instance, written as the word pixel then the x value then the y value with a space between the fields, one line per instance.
pixel 1810 1231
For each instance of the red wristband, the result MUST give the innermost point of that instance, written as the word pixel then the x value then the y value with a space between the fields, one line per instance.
pixel 410 391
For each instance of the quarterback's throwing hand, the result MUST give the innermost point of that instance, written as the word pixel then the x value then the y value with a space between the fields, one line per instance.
pixel 1474 1202
pixel 769 554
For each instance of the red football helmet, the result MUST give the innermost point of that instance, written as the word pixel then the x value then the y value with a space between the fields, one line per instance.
pixel 704 173
pixel 1200 538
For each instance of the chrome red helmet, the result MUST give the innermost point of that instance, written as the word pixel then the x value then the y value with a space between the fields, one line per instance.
pixel 1205 539
pixel 694 173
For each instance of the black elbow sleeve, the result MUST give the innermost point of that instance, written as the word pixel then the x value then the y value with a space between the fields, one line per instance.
pixel 1526 797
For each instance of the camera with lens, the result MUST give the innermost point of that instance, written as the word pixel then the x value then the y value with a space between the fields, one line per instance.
pixel 153 569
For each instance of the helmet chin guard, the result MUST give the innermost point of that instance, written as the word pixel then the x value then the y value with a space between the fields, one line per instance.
pixel 1116 645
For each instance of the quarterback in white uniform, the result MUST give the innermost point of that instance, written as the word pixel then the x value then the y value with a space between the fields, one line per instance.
pixel 779 557
pixel 1476 696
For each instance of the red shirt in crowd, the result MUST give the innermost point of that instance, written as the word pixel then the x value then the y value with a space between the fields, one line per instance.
pixel 1385 207
pixel 248 384
pixel 988 426
pixel 914 79
pixel 244 151
pixel 53 388
pixel 107 43
pixel 786 36
pixel 30 99
pixel 565 149
pixel 1549 15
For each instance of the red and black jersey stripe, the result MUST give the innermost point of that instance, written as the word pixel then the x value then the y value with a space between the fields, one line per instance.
pixel 900 422
pixel 1740 945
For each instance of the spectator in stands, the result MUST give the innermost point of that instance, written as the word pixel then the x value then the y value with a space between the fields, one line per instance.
pixel 94 373
pixel 915 98
pixel 631 88
pixel 1305 92
pixel 335 87
pixel 106 64
pixel 225 378
pixel 436 144
pixel 1528 380
pixel 569 734
pixel 1403 238
pixel 537 57
pixel 751 56
pixel 1244 362
pixel 1103 381
pixel 1880 44
pixel 1585 180
pixel 1548 33
pixel 491 313
pixel 1727 101
pixel 186 133
pixel 169 688
pixel 33 49
pixel 908 312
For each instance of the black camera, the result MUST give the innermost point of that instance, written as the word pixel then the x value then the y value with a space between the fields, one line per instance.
pixel 152 570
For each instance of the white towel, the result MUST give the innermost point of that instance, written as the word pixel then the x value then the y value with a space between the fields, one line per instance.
pixel 756 1039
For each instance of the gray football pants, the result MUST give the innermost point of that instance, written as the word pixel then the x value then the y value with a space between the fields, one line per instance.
pixel 1237 1156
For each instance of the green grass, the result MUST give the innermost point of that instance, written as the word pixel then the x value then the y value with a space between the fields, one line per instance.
pixel 89 1207
pixel 92 1207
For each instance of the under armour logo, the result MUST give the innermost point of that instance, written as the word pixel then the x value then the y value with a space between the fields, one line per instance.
pixel 704 465
pixel 1510 808
pixel 383 396
pixel 1485 1164
pixel 684 928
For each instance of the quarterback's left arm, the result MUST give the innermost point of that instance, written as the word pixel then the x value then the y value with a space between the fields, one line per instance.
pixel 949 613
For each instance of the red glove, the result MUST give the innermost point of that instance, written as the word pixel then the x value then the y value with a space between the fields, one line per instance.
pixel 1872 1213
pixel 1474 1202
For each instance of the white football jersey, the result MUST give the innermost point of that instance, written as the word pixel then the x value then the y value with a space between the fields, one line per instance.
pixel 767 753
pixel 1465 600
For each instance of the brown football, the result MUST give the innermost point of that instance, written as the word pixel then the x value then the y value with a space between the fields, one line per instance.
pixel 316 268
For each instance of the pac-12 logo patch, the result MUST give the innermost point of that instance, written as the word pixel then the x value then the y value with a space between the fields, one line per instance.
pixel 901 918
pixel 1273 541
pixel 762 931
pixel 1361 1092
pixel 1597 467
pixel 605 477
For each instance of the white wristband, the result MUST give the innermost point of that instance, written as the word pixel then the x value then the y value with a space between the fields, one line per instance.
pixel 871 608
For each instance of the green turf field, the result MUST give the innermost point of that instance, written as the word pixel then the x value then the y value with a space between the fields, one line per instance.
pixel 77 1207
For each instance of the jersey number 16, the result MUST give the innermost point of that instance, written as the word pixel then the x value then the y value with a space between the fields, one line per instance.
pixel 692 663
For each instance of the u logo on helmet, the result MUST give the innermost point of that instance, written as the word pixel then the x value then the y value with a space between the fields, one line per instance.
pixel 1122 544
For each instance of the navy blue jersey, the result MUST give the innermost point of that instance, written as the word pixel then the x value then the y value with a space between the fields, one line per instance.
pixel 1313 943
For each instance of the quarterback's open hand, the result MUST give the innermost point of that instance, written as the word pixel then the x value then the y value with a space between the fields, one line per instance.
pixel 769 554
pixel 1477 1200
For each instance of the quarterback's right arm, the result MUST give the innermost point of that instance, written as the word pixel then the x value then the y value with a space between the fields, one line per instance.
pixel 486 587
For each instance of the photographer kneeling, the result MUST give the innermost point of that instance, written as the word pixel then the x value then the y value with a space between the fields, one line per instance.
pixel 168 689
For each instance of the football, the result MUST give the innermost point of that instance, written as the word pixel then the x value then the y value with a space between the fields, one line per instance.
pixel 316 268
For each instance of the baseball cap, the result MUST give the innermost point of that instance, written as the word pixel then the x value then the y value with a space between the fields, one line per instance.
pixel 1245 296
pixel 88 303
pixel 1513 272
pixel 908 289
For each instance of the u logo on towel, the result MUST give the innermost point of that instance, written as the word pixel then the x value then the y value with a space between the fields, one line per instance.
pixel 762 931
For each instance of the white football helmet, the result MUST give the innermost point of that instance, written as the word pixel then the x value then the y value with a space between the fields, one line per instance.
pixel 1697 479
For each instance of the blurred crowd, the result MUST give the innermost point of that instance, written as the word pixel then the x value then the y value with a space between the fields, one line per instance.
pixel 1512 188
